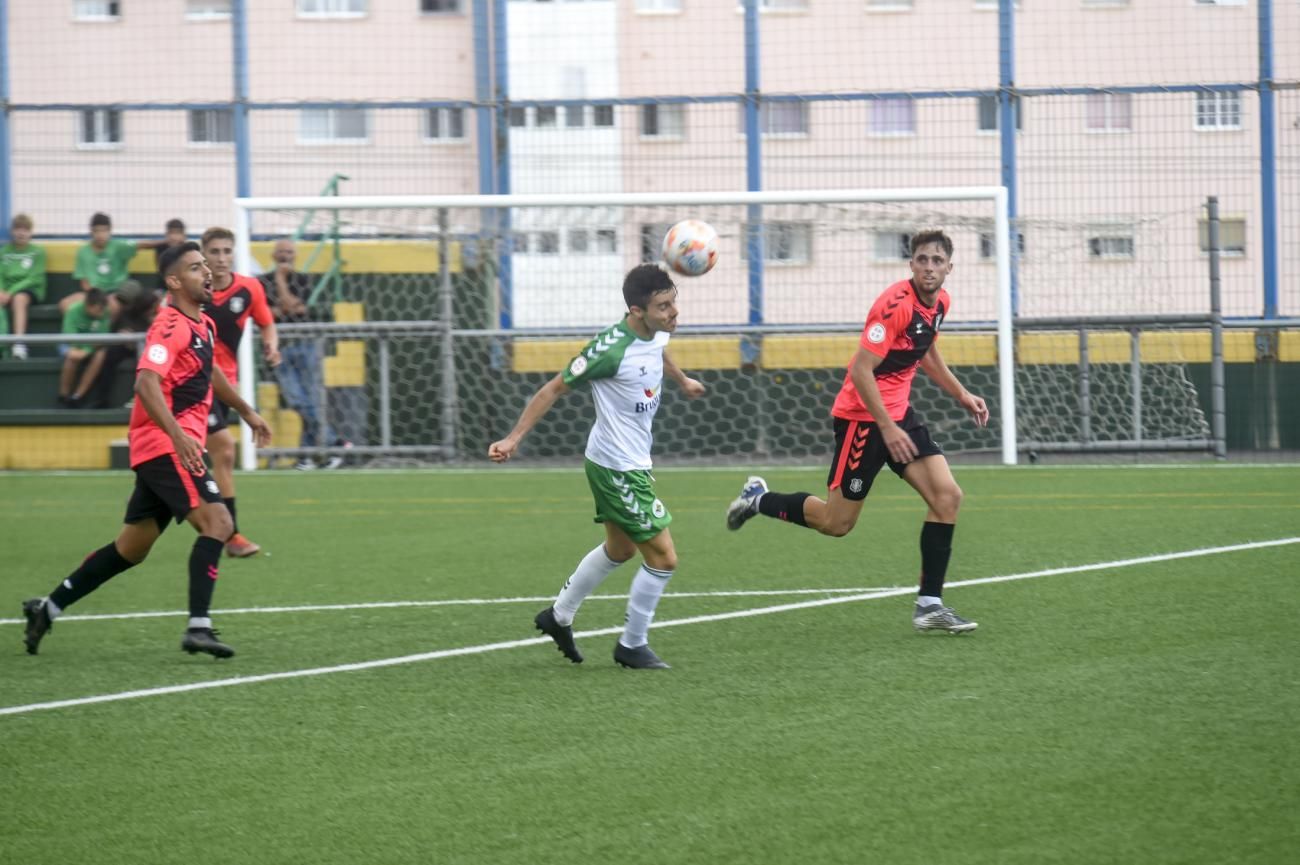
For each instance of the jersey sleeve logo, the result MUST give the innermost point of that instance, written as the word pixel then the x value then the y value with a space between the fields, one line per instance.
pixel 876 333
pixel 578 367
pixel 158 353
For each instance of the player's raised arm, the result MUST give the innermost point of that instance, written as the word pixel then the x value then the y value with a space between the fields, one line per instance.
pixel 933 366
pixel 689 386
pixel 538 405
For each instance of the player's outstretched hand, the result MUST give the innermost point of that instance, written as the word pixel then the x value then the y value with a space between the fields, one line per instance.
pixel 977 409
pixel 693 388
pixel 190 453
pixel 261 429
pixel 503 450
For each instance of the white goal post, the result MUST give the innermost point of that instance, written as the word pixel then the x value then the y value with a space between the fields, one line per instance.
pixel 526 273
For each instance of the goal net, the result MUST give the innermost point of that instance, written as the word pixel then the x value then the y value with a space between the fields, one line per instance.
pixel 435 318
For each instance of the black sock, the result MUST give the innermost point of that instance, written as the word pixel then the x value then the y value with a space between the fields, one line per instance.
pixel 234 521
pixel 98 568
pixel 936 548
pixel 784 506
pixel 203 574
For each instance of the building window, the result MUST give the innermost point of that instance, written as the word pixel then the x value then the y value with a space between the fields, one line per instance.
pixel 1232 237
pixel 545 116
pixel 518 116
pixel 100 127
pixel 988 247
pixel 212 126
pixel 579 240
pixel 893 117
pixel 780 118
pixel 1112 243
pixel 575 116
pixel 888 5
pixel 546 242
pixel 988 110
pixel 663 121
pixel 658 5
pixel 893 246
pixel 207 10
pixel 1109 112
pixel 606 240
pixel 328 125
pixel 332 8
pixel 602 115
pixel 439 7
pixel 96 10
pixel 444 124
pixel 652 240
pixel 764 5
pixel 1218 110
pixel 1220 2
pixel 787 242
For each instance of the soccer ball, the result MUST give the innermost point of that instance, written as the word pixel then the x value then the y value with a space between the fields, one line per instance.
pixel 691 247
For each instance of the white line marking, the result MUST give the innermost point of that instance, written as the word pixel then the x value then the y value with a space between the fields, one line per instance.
pixel 693 620
pixel 448 602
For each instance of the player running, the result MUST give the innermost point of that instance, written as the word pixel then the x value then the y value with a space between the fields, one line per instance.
pixel 875 425
pixel 625 366
pixel 174 385
pixel 235 298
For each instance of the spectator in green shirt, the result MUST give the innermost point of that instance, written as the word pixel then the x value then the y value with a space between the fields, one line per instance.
pixel 84 316
pixel 22 278
pixel 102 263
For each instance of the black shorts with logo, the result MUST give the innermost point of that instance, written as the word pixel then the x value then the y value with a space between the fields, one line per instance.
pixel 164 488
pixel 218 416
pixel 860 453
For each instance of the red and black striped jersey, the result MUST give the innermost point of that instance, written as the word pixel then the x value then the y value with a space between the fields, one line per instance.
pixel 180 349
pixel 901 330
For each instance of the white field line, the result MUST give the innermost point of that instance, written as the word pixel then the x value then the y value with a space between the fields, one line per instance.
pixel 693 620
pixel 448 602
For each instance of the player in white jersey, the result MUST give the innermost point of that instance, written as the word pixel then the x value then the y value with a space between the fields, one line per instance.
pixel 625 366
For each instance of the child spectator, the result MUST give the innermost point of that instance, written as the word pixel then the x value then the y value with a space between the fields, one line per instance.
pixel 102 263
pixel 174 236
pixel 22 278
pixel 84 316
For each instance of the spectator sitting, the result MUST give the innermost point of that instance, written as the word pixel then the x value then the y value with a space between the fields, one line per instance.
pixel 174 236
pixel 84 316
pixel 302 385
pixel 22 278
pixel 139 306
pixel 102 263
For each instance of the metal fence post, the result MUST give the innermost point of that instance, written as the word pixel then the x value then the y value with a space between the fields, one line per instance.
pixel 447 313
pixel 1218 398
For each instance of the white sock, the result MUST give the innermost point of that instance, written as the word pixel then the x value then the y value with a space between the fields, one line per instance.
pixel 647 586
pixel 928 600
pixel 52 609
pixel 585 579
pixel 196 622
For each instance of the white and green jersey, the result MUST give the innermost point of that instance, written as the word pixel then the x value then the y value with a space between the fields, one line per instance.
pixel 626 374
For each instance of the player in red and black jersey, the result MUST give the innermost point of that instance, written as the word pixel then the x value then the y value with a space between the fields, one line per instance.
pixel 174 386
pixel 235 299
pixel 875 426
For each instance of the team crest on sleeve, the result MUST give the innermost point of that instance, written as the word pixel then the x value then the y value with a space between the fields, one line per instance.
pixel 578 367
pixel 876 333
pixel 157 353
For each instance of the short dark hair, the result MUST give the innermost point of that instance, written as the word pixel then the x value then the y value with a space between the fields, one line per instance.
pixel 175 225
pixel 932 235
pixel 21 220
pixel 100 219
pixel 172 254
pixel 95 297
pixel 643 282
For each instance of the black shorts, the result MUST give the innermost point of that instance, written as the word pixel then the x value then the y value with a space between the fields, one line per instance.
pixel 32 299
pixel 860 453
pixel 218 416
pixel 164 488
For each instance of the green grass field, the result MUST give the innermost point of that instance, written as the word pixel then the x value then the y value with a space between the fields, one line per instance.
pixel 1129 714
